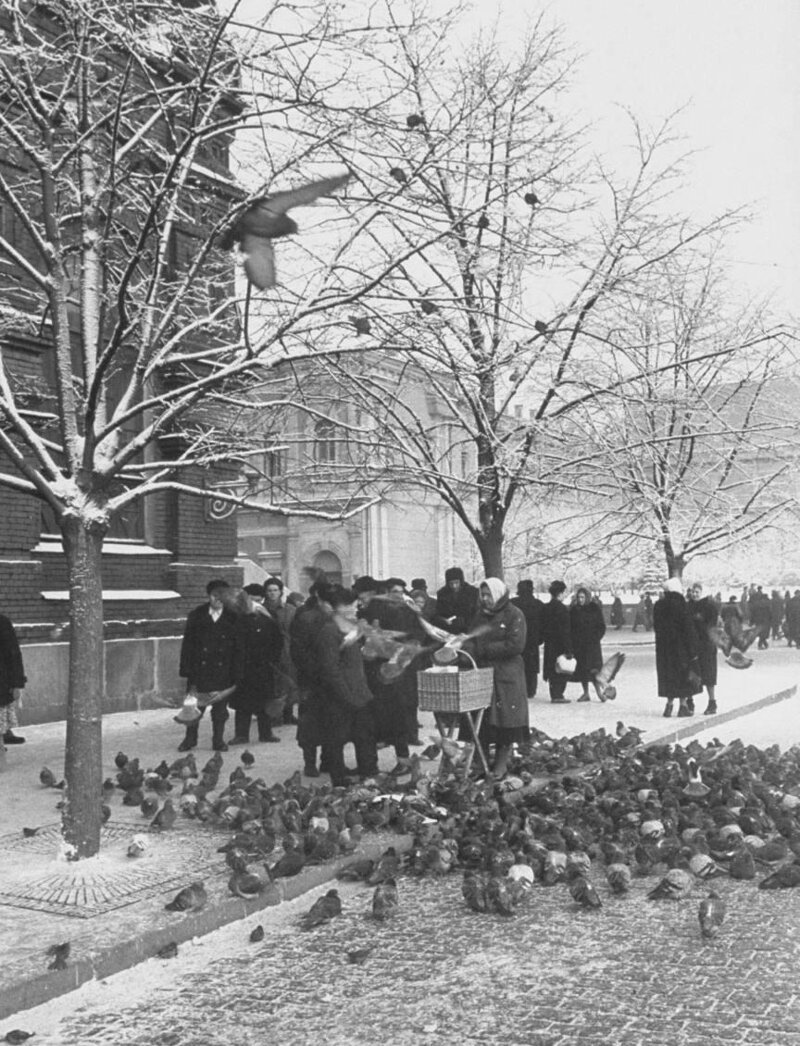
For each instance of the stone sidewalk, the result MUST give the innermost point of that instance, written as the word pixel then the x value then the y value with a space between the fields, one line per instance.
pixel 130 924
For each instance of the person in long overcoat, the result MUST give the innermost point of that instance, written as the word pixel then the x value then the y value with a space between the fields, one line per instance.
pixel 793 619
pixel 500 647
pixel 12 681
pixel 532 608
pixel 258 649
pixel 282 612
pixel 396 702
pixel 587 627
pixel 340 688
pixel 207 661
pixel 677 649
pixel 617 613
pixel 705 617
pixel 777 605
pixel 308 620
pixel 557 639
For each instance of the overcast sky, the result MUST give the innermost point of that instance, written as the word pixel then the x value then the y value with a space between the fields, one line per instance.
pixel 734 65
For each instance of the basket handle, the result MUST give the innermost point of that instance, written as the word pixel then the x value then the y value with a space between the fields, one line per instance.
pixel 468 655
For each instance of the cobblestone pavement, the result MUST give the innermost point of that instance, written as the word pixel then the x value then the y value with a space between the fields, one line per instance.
pixel 636 972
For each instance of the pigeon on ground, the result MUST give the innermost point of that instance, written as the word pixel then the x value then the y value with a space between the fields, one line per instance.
pixel 473 890
pixel 584 893
pixel 783 878
pixel 618 876
pixel 385 900
pixel 322 910
pixel 358 956
pixel 387 867
pixel 59 953
pixel 165 818
pixel 675 885
pixel 266 219
pixel 247 757
pixel 48 778
pixel 257 934
pixel 16 1036
pixel 190 899
pixel 742 864
pixel 137 846
pixel 169 951
pixel 711 914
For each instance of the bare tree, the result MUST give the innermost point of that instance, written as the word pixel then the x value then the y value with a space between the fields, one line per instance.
pixel 116 122
pixel 700 446
pixel 492 258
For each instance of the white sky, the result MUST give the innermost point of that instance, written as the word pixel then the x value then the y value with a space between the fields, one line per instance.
pixel 734 64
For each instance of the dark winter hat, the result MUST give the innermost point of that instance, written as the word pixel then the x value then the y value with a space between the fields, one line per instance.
pixel 419 584
pixel 556 588
pixel 454 574
pixel 217 584
pixel 525 587
pixel 394 582
pixel 365 584
pixel 255 590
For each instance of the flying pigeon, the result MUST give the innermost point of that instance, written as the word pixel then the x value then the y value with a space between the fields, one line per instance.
pixel 604 677
pixel 267 219
pixel 736 659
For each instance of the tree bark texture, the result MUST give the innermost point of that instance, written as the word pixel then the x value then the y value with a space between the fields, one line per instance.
pixel 83 767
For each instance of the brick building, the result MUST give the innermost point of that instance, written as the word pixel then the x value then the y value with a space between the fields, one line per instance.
pixel 159 552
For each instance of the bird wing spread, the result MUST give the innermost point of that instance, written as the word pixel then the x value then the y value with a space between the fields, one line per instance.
pixel 259 262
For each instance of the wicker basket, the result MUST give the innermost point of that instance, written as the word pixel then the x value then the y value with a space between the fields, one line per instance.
pixel 455 691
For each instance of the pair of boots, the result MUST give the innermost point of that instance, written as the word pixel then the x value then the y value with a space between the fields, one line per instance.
pixel 685 707
pixel 217 738
pixel 241 728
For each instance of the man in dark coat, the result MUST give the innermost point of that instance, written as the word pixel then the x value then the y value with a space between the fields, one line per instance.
pixel 557 638
pixel 457 602
pixel 307 622
pixel 793 619
pixel 777 608
pixel 428 606
pixel 208 661
pixel 340 686
pixel 259 647
pixel 532 609
pixel 677 666
pixel 705 616
pixel 12 680
pixel 761 616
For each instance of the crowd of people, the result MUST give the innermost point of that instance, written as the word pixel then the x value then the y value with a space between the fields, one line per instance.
pixel 327 662
pixel 265 654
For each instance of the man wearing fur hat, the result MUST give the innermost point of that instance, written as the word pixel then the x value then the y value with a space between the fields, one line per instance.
pixel 457 602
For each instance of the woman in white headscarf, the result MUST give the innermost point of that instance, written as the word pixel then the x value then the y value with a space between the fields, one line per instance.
pixel 500 647
pixel 677 666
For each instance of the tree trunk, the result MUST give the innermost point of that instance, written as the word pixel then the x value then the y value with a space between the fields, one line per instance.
pixel 83 766
pixel 491 549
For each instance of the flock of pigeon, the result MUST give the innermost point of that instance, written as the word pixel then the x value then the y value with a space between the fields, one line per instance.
pixel 588 814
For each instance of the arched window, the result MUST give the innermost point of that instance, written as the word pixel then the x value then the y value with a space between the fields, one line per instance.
pixel 331 564
pixel 325 441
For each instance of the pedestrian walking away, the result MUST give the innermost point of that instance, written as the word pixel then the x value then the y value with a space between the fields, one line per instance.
pixel 706 622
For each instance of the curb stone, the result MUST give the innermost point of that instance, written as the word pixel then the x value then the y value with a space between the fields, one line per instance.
pixel 125 954
pixel 705 723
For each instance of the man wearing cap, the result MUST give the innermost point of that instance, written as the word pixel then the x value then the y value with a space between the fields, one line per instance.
pixel 208 662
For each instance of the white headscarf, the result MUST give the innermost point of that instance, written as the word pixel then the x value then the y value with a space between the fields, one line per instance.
pixel 674 584
pixel 497 588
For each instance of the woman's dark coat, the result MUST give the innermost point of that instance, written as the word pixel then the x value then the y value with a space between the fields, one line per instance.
pixel 12 674
pixel 501 648
pixel 258 648
pixel 532 609
pixel 587 627
pixel 704 615
pixel 556 634
pixel 676 647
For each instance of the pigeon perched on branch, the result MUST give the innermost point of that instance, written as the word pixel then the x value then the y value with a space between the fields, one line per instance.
pixel 266 219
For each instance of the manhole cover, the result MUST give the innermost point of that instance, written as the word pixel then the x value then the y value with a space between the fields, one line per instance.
pixel 110 881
